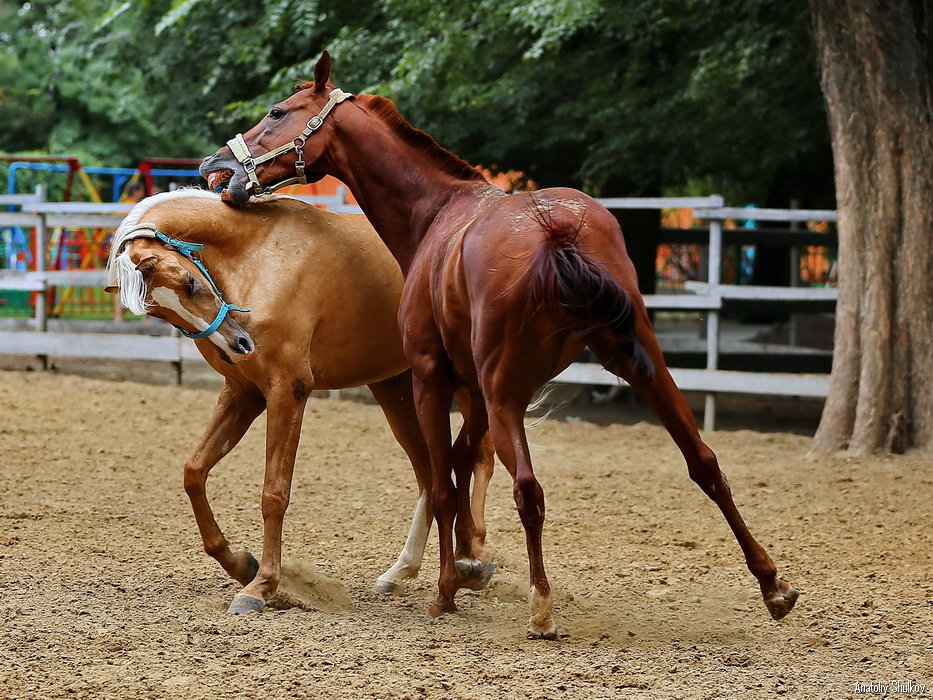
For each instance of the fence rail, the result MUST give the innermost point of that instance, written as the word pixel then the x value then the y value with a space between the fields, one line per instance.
pixel 707 296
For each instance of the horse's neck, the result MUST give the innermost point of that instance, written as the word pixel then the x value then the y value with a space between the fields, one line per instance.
pixel 228 246
pixel 399 188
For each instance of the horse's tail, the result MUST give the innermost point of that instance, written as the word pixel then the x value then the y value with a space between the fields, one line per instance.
pixel 566 282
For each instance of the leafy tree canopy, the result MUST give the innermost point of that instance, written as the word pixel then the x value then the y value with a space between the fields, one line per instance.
pixel 636 97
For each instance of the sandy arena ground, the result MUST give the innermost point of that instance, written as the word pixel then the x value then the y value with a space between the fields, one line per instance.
pixel 107 593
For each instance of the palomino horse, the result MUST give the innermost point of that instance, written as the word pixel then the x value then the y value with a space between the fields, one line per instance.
pixel 502 292
pixel 322 293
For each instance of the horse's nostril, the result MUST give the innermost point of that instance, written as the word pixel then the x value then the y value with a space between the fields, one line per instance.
pixel 244 344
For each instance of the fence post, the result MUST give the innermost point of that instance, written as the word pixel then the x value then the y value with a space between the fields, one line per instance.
pixel 177 362
pixel 793 326
pixel 39 253
pixel 712 318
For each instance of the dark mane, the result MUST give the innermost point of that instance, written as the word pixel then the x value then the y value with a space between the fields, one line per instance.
pixel 384 109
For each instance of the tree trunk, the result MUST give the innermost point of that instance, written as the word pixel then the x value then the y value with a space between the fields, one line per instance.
pixel 876 68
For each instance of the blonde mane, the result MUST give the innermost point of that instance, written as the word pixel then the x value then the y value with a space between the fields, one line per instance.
pixel 127 230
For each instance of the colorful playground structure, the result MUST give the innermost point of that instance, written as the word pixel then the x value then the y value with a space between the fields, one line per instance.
pixel 95 197
pixel 76 248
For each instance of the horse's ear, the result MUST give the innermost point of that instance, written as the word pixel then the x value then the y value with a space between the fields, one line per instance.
pixel 322 71
pixel 147 263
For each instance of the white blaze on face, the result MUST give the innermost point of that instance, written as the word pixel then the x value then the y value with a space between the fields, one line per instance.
pixel 168 299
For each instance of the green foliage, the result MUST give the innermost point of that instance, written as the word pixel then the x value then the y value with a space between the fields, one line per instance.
pixel 25 102
pixel 69 95
pixel 621 97
pixel 633 97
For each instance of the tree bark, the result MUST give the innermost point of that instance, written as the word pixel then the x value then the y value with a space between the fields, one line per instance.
pixel 876 68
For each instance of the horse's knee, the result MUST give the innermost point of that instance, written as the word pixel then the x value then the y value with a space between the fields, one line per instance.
pixel 704 470
pixel 194 478
pixel 428 365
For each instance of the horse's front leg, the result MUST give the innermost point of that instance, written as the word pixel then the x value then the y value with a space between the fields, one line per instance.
pixel 235 411
pixel 286 401
pixel 395 397
pixel 482 473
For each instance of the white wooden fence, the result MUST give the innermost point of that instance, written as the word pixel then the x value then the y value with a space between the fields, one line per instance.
pixel 706 297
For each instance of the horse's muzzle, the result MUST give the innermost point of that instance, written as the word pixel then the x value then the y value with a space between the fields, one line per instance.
pixel 236 192
pixel 238 340
pixel 242 345
pixel 220 169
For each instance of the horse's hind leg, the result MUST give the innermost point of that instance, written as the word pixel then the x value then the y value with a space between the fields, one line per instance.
pixel 510 374
pixel 506 424
pixel 286 398
pixel 670 406
pixel 472 454
pixel 395 397
pixel 234 413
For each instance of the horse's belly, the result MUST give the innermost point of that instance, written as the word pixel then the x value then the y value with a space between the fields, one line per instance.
pixel 359 349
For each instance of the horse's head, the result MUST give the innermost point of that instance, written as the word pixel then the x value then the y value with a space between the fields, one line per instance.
pixel 286 147
pixel 153 278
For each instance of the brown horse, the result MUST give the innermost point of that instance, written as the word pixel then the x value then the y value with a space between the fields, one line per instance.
pixel 502 292
pixel 322 293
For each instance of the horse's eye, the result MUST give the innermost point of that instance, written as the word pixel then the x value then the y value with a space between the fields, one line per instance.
pixel 191 285
pixel 276 112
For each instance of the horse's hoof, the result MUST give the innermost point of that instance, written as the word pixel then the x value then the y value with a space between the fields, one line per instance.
pixel 384 586
pixel 546 631
pixel 782 602
pixel 243 604
pixel 473 573
pixel 489 568
pixel 436 609
pixel 250 568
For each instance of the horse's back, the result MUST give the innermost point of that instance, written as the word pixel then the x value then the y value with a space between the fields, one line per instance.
pixel 485 283
pixel 510 230
pixel 320 284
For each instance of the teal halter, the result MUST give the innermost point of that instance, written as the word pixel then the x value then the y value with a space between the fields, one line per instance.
pixel 186 249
